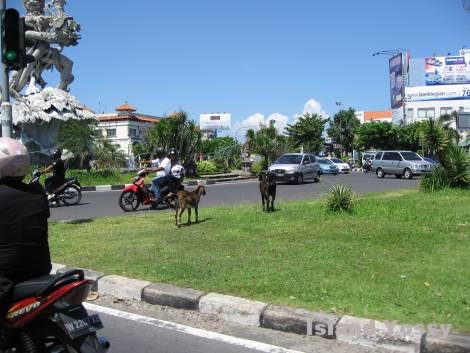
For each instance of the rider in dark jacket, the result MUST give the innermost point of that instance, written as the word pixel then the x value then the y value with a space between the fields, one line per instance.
pixel 24 210
pixel 58 171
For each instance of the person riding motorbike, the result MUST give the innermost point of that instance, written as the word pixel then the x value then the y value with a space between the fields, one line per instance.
pixel 367 166
pixel 58 172
pixel 174 157
pixel 24 210
pixel 161 166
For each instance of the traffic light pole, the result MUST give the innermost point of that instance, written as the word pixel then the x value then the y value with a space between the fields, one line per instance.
pixel 6 116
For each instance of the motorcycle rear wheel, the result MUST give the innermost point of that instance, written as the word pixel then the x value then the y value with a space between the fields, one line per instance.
pixel 72 195
pixel 129 201
pixel 49 338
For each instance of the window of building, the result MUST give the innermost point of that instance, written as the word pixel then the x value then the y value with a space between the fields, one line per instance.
pixel 426 113
pixel 111 132
pixel 132 132
pixel 446 111
pixel 410 113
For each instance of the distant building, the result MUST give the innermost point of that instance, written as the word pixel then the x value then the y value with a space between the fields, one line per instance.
pixel 125 128
pixel 367 117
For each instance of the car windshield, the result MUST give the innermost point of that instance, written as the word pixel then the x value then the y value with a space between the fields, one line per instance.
pixel 289 159
pixel 336 160
pixel 410 156
pixel 325 161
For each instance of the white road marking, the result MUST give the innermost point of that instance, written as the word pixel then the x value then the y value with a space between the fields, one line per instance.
pixel 214 336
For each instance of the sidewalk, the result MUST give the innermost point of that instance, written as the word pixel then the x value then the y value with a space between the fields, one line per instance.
pixel 236 175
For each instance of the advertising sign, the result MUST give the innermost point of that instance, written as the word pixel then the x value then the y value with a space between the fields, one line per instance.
pixel 216 121
pixel 447 70
pixel 396 81
pixel 437 93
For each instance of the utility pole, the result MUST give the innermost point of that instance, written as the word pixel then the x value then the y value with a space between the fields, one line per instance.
pixel 338 104
pixel 6 116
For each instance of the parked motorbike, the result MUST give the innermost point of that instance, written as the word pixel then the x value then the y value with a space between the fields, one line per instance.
pixel 69 193
pixel 137 193
pixel 46 315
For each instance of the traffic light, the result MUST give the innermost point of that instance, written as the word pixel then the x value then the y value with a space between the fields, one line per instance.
pixel 13 31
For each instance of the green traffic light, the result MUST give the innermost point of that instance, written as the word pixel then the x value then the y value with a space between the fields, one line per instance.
pixel 10 55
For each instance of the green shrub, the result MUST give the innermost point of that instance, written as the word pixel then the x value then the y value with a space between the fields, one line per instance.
pixel 434 181
pixel 206 167
pixel 259 166
pixel 454 172
pixel 340 199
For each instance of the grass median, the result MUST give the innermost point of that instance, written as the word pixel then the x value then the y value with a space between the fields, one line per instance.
pixel 403 255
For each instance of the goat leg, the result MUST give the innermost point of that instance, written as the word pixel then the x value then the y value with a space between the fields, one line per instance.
pixel 197 216
pixel 189 215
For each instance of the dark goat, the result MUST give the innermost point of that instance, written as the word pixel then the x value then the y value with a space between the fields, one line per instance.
pixel 187 200
pixel 267 187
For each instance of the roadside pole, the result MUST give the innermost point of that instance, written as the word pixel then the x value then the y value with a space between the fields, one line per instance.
pixel 6 117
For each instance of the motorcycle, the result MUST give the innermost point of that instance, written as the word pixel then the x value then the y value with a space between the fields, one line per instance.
pixel 366 167
pixel 69 193
pixel 137 193
pixel 46 315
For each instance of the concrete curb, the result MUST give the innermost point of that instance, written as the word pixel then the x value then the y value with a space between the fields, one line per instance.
pixel 347 329
pixel 188 183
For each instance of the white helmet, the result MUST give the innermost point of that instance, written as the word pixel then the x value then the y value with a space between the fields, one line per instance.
pixel 14 159
pixel 177 171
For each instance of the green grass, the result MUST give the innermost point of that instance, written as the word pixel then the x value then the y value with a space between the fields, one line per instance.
pixel 399 256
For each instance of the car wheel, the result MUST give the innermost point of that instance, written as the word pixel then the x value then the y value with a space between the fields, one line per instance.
pixel 335 173
pixel 300 179
pixel 380 173
pixel 407 173
pixel 317 178
pixel 398 176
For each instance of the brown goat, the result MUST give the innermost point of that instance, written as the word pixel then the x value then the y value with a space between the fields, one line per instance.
pixel 187 200
pixel 267 187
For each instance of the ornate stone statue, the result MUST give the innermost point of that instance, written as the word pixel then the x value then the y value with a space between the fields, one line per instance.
pixel 50 29
pixel 40 111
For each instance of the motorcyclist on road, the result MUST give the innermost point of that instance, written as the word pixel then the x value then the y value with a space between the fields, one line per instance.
pixel 58 172
pixel 367 164
pixel 161 166
pixel 24 210
pixel 174 157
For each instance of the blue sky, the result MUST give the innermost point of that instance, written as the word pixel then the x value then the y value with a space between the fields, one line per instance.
pixel 252 58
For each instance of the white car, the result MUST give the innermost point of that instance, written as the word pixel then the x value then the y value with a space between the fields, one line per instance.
pixel 342 165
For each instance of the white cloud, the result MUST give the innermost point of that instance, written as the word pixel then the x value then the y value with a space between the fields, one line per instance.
pixel 256 120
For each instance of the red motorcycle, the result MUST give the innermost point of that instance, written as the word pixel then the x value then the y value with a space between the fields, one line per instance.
pixel 137 193
pixel 47 315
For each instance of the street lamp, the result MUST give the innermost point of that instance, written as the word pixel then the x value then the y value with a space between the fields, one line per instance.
pixel 339 104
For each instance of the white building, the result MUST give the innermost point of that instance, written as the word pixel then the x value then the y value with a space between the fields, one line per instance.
pixel 125 128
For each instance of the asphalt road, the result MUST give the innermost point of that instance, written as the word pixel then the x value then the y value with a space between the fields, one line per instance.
pixel 101 204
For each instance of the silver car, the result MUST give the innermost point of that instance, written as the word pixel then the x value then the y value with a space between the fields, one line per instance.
pixel 404 164
pixel 296 167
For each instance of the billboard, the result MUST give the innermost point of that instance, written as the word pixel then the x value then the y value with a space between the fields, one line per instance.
pixel 436 93
pixel 396 81
pixel 217 121
pixel 447 70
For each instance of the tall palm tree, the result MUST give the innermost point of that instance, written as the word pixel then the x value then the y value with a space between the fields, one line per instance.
pixel 434 138
pixel 446 121
pixel 78 137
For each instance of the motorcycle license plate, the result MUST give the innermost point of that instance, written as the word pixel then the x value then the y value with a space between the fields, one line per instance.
pixel 79 327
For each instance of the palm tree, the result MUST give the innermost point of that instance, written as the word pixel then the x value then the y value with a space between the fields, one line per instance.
pixel 266 142
pixel 446 121
pixel 78 137
pixel 107 155
pixel 434 138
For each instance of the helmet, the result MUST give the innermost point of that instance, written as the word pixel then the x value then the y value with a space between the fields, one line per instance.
pixel 56 153
pixel 160 152
pixel 14 159
pixel 177 171
pixel 173 153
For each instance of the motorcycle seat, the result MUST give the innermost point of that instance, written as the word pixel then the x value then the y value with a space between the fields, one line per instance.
pixel 31 287
pixel 35 286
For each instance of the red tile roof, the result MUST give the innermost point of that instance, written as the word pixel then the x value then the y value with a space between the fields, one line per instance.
pixel 126 107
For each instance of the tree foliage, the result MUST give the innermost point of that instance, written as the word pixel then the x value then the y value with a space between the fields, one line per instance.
pixel 343 128
pixel 267 142
pixel 108 155
pixel 78 137
pixel 223 147
pixel 307 132
pixel 174 131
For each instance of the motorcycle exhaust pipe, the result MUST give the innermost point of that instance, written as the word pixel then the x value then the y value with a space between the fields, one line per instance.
pixel 103 341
